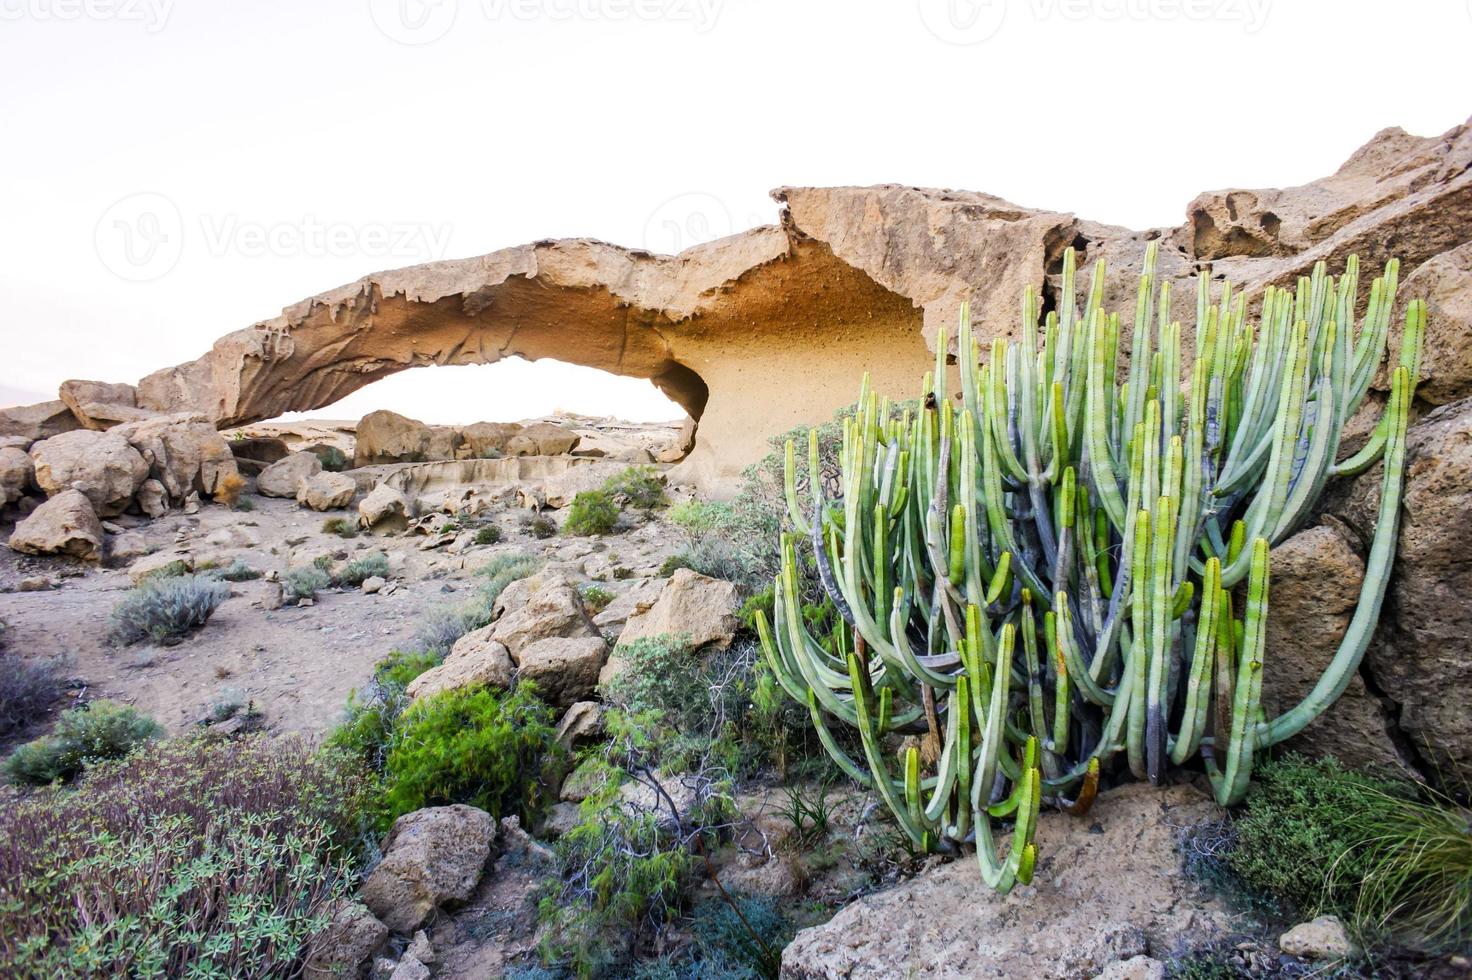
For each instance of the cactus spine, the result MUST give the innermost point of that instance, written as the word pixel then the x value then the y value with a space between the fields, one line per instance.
pixel 1044 573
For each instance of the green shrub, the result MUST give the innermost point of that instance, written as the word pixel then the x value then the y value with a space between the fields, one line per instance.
pixel 174 569
pixel 491 749
pixel 713 557
pixel 355 571
pixel 448 623
pixel 27 689
pixel 698 518
pixel 541 527
pixel 207 858
pixel 164 609
pixel 592 512
pixel 596 599
pixel 305 582
pixel 341 526
pixel 400 668
pixel 94 732
pixel 488 534
pixel 238 571
pixel 333 460
pixel 641 486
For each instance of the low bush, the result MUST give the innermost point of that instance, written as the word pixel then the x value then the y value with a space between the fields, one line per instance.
pixel 596 599
pixel 341 526
pixel 591 512
pixel 698 519
pixel 448 623
pixel 491 749
pixel 82 736
pixel 400 668
pixel 333 460
pixel 304 582
pixel 197 857
pixel 355 571
pixel 488 534
pixel 541 527
pixel 245 504
pixel 27 689
pixel 164 609
pixel 229 488
pixel 641 487
pixel 238 571
pixel 716 558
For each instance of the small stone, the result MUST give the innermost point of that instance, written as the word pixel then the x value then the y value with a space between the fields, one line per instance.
pixel 1134 968
pixel 191 503
pixel 272 598
pixel 304 603
pixel 373 584
pixel 37 583
pixel 410 968
pixel 1325 938
pixel 420 948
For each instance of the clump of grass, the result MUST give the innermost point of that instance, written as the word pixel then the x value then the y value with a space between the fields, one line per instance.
pixel 340 526
pixel 591 512
pixel 27 689
pixel 641 487
pixel 333 460
pixel 228 489
pixel 304 582
pixel 96 731
pixel 245 504
pixel 164 609
pixel 488 534
pixel 238 571
pixel 355 571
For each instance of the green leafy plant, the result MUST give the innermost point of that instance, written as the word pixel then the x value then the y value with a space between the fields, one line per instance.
pixel 189 858
pixel 642 487
pixel 238 571
pixel 807 810
pixel 333 460
pixel 488 534
pixel 340 526
pixel 596 598
pixel 591 512
pixel 1058 544
pixel 359 569
pixel 491 749
pixel 699 519
pixel 304 582
pixel 165 608
pixel 94 732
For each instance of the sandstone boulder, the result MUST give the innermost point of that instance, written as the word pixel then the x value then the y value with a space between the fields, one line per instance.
pixel 697 608
pixel 555 610
pixel 149 566
pixel 17 474
pixel 444 442
pixel 681 446
pixel 338 952
pixel 474 659
pixel 542 439
pixel 565 669
pixel 431 858
pixel 1445 283
pixel 327 491
pixel 387 437
pixel 100 405
pixel 103 465
pixel 285 476
pixel 581 722
pixel 66 524
pixel 185 453
pixel 385 509
pixel 946 919
pixel 32 423
pixel 486 440
pixel 152 498
pixel 1324 938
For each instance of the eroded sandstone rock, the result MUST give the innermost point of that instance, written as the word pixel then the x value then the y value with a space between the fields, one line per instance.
pixel 103 465
pixel 32 423
pixel 66 524
pixel 17 474
pixel 338 952
pixel 326 491
pixel 565 669
pixel 696 608
pixel 385 509
pixel 284 477
pixel 431 858
pixel 554 610
pixel 474 659
pixel 387 437
pixel 185 453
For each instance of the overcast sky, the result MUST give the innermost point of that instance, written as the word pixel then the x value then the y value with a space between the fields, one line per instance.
pixel 176 169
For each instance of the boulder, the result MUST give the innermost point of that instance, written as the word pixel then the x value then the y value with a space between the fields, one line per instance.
pixel 100 464
pixel 1065 924
pixel 66 524
pixel 152 498
pixel 1445 283
pixel 681 446
pixel 1325 938
pixel 554 610
pixel 17 474
pixel 185 453
pixel 636 600
pixel 100 405
pixel 263 450
pixel 285 476
pixel 581 722
pixel 444 442
pixel 486 440
pixel 387 437
pixel 565 669
pixel 32 423
pixel 474 659
pixel 697 608
pixel 150 565
pixel 339 951
pixel 327 491
pixel 431 858
pixel 385 509
pixel 542 439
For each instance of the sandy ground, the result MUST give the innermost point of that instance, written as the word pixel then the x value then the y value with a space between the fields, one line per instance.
pixel 297 665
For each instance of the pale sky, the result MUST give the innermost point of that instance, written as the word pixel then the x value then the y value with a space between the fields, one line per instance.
pixel 172 170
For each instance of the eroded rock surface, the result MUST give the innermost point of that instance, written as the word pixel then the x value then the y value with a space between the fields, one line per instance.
pixel 432 857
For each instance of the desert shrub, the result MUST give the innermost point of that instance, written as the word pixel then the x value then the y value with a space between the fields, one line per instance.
pixel 305 581
pixel 355 571
pixel 491 749
pixel 400 668
pixel 228 489
pixel 698 518
pixel 97 731
pixel 164 609
pixel 488 534
pixel 591 512
pixel 447 624
pixel 27 689
pixel 716 558
pixel 174 569
pixel 333 460
pixel 642 487
pixel 596 599
pixel 343 527
pixel 227 704
pixel 194 857
pixel 541 527
pixel 245 504
pixel 238 571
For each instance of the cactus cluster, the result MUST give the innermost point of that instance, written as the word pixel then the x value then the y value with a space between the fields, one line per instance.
pixel 1068 561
